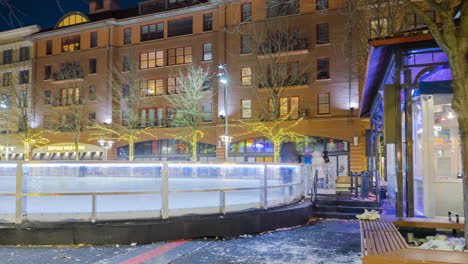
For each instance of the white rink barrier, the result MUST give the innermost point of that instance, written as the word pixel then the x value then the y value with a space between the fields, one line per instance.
pixel 117 190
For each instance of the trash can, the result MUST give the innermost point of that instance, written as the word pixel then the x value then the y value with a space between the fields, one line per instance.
pixel 383 193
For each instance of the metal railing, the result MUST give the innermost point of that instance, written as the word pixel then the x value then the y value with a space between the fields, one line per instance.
pixel 365 183
pixel 58 191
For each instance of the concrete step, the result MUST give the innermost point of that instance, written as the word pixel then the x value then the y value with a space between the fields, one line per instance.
pixel 334 215
pixel 349 203
pixel 344 209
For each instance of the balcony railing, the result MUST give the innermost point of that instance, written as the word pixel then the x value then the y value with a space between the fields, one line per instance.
pixel 288 45
pixel 290 81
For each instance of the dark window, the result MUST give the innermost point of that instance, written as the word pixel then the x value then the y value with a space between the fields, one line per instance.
pixel 153 6
pixel 23 100
pixel 246 12
pixel 126 90
pixel 127 36
pixel 49 47
pixel 153 31
pixel 126 63
pixel 24 53
pixel 70 43
pixel 47 97
pixel 23 76
pixel 246 46
pixel 92 93
pixel 180 27
pixel 323 68
pixel 8 56
pixel 208 22
pixel 413 20
pixel 92 66
pixel 322 4
pixel 282 7
pixel 207 112
pixel 322 34
pixel 7 79
pixel 91 118
pixel 207 52
pixel 47 72
pixel 94 40
pixel 207 84
pixel 47 121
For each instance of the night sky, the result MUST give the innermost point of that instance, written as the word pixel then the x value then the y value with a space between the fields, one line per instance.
pixel 44 13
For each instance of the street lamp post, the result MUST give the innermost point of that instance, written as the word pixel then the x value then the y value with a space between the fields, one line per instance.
pixel 106 144
pixel 222 75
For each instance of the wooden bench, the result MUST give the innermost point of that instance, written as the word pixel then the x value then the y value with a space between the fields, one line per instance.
pixel 426 223
pixel 381 243
pixel 380 236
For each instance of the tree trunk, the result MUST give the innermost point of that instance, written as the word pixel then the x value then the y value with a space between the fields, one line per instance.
pixel 277 148
pixel 26 150
pixel 464 145
pixel 77 150
pixel 131 150
pixel 194 146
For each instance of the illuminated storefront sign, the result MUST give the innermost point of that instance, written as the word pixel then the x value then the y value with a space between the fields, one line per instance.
pixel 65 148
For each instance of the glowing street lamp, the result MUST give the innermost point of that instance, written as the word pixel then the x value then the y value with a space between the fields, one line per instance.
pixel 106 144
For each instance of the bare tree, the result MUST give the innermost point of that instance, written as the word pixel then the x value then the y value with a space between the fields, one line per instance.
pixel 127 100
pixel 188 103
pixel 17 81
pixel 451 34
pixel 10 14
pixel 281 62
pixel 70 107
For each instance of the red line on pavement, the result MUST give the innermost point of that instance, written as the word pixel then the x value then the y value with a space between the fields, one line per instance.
pixel 155 252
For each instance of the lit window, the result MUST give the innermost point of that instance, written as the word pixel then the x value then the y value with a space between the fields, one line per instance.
pixel 322 33
pixel 283 107
pixel 246 78
pixel 6 100
pixel 246 106
pixel 7 79
pixel 323 68
pixel 70 96
pixel 378 27
pixel 324 103
pixel 246 44
pixel 246 12
pixel 151 59
pixel 208 22
pixel 147 88
pixel 71 43
pixel 72 20
pixel 153 31
pixel 159 87
pixel 180 55
pixel 294 107
pixel 207 52
pixel 174 85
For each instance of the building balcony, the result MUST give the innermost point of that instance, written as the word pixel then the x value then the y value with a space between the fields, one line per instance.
pixel 62 102
pixel 286 46
pixel 296 81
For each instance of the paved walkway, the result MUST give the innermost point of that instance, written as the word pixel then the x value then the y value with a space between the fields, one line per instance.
pixel 331 241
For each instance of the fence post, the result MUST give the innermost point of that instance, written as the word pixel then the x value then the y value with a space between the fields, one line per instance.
pixel 19 192
pixel 93 212
pixel 365 185
pixel 303 185
pixel 164 191
pixel 356 185
pixel 222 202
pixel 351 188
pixel 264 188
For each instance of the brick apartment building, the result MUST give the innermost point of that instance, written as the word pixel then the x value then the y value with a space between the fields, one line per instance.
pixel 163 36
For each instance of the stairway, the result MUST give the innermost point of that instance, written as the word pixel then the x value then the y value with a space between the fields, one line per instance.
pixel 341 206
